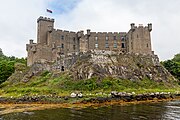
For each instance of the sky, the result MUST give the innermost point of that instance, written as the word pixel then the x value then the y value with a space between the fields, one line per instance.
pixel 18 20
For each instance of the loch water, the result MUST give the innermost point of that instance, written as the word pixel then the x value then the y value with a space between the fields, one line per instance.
pixel 144 111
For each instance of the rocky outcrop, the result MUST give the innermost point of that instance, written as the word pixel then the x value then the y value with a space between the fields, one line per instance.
pixel 133 67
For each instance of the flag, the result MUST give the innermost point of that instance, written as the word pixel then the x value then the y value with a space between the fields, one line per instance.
pixel 49 11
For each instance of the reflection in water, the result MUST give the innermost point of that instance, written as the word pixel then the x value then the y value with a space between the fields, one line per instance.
pixel 150 111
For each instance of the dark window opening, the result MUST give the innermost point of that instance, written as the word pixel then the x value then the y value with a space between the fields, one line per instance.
pixel 74 47
pixel 147 45
pixel 114 37
pixel 123 45
pixel 62 45
pixel 62 68
pixel 122 38
pixel 62 37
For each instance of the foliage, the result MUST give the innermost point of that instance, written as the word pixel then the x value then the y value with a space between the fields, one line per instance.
pixel 176 58
pixel 173 66
pixel 7 65
pixel 6 69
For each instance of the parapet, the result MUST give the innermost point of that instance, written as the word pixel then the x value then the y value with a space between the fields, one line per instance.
pixel 149 26
pixel 45 19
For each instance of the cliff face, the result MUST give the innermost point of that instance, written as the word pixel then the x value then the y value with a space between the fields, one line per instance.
pixel 125 66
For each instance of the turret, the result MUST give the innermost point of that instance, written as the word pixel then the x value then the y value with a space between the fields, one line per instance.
pixel 150 27
pixel 80 34
pixel 88 32
pixel 31 41
pixel 132 26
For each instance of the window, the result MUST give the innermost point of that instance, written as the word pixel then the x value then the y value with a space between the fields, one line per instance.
pixel 147 45
pixel 122 38
pixel 106 45
pixel 62 45
pixel 62 68
pixel 96 38
pixel 106 42
pixel 96 45
pixel 107 38
pixel 123 45
pixel 74 47
pixel 96 42
pixel 62 37
pixel 114 37
pixel 115 45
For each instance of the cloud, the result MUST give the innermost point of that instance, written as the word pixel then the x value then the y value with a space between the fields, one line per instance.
pixel 18 24
pixel 18 20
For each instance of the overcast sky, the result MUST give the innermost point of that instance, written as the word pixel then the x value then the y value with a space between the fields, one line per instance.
pixel 18 20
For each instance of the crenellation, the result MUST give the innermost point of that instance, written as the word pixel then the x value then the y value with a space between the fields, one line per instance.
pixel 45 19
pixel 58 30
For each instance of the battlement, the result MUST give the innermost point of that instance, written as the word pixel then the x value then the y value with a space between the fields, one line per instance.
pixel 149 26
pixel 64 31
pixel 45 19
pixel 108 33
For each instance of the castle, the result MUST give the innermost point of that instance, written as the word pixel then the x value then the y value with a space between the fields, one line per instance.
pixel 56 45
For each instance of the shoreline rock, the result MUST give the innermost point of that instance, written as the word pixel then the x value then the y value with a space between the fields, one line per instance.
pixel 115 96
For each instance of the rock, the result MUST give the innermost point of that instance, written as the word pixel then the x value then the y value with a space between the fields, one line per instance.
pixel 80 95
pixel 73 95
pixel 66 98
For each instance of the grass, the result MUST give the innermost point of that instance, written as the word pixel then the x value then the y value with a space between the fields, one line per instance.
pixel 63 85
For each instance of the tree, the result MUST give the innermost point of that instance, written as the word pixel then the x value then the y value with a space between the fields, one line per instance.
pixel 6 69
pixel 173 66
pixel 176 58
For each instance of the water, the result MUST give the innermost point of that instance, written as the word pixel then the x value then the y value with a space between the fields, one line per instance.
pixel 145 111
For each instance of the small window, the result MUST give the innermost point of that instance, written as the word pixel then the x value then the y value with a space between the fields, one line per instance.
pixel 123 45
pixel 62 45
pixel 96 38
pixel 115 45
pixel 62 68
pixel 114 37
pixel 96 45
pixel 74 47
pixel 106 45
pixel 147 45
pixel 122 38
pixel 62 37
pixel 107 38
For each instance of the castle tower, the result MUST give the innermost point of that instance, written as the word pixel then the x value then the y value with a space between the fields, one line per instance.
pixel 139 39
pixel 45 25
